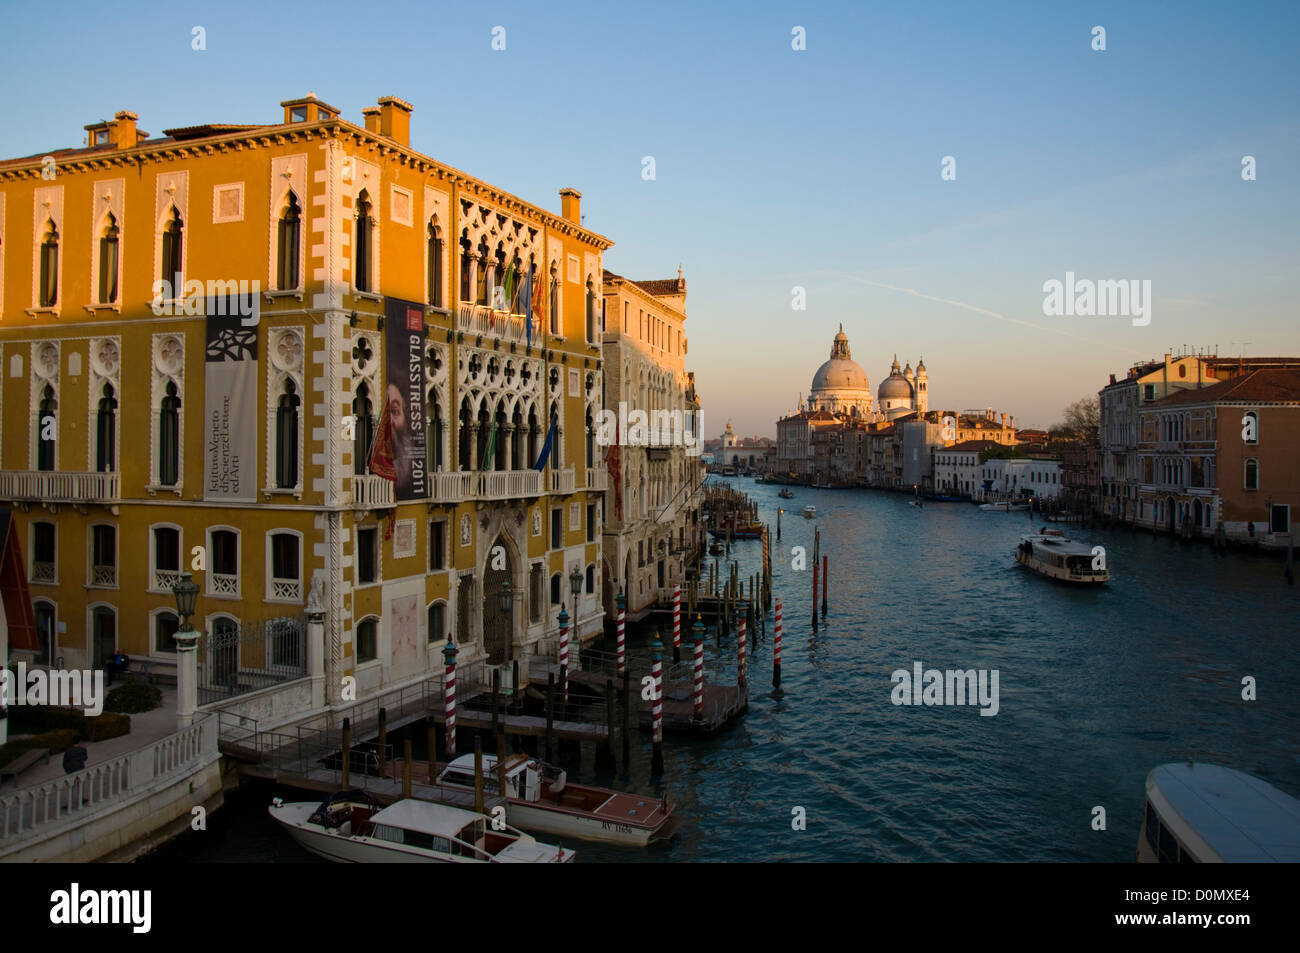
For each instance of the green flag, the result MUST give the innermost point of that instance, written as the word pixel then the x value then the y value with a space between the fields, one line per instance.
pixel 491 450
pixel 511 276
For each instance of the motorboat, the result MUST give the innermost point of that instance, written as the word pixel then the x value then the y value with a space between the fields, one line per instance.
pixel 348 827
pixel 1004 506
pixel 745 530
pixel 1052 554
pixel 540 797
pixel 809 512
pixel 786 493
pixel 1208 813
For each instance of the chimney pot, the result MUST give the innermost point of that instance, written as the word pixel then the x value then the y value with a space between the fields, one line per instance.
pixel 371 117
pixel 571 205
pixel 395 119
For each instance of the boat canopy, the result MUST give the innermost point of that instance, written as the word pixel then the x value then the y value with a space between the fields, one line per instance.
pixel 1240 817
pixel 465 764
pixel 425 817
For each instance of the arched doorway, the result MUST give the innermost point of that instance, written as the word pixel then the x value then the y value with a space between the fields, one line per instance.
pixel 1171 510
pixel 1198 516
pixel 497 628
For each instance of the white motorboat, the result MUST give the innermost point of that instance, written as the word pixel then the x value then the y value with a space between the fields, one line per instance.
pixel 347 828
pixel 540 798
pixel 1053 554
pixel 1207 813
pixel 1004 506
pixel 809 512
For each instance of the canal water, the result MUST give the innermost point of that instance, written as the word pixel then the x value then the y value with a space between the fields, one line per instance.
pixel 1096 687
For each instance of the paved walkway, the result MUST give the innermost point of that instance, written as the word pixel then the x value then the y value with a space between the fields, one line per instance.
pixel 145 727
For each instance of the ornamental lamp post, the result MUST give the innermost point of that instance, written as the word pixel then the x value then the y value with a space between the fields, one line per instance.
pixel 187 644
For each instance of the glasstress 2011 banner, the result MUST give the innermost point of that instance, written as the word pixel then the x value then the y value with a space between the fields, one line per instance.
pixel 406 395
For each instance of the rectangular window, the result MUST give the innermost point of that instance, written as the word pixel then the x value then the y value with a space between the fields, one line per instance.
pixel 225 553
pixel 103 569
pixel 437 622
pixel 437 545
pixel 591 523
pixel 43 552
pixel 367 640
pixel 367 555
pixel 557 528
pixel 284 556
pixel 535 593
pixel 164 627
pixel 167 549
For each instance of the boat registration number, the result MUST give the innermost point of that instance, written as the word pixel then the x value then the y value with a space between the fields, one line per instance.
pixel 620 828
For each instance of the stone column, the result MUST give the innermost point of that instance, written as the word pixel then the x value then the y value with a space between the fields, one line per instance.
pixel 187 677
pixel 316 654
pixel 506 436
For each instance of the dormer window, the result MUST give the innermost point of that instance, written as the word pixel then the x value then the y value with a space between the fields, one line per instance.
pixel 99 137
pixel 298 114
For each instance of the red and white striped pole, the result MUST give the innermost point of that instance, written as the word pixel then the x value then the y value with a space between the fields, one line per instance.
pixel 622 645
pixel 677 624
pixel 449 697
pixel 657 707
pixel 564 654
pixel 698 630
pixel 776 649
pixel 743 650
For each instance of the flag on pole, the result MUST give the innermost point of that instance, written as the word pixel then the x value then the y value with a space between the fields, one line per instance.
pixel 614 464
pixel 546 448
pixel 526 305
pixel 509 296
pixel 381 452
pixel 491 448
pixel 539 302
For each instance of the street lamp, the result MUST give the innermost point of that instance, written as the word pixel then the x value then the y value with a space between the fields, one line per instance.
pixel 506 600
pixel 187 644
pixel 575 586
pixel 186 593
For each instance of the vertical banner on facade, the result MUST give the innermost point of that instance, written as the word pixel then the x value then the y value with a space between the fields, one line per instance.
pixel 405 396
pixel 230 419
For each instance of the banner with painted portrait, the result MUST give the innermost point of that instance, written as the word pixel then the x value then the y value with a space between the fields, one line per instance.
pixel 405 396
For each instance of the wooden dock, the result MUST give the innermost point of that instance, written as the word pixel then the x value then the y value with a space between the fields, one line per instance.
pixel 721 704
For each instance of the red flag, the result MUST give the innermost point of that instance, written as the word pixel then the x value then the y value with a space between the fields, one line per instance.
pixel 381 454
pixel 613 463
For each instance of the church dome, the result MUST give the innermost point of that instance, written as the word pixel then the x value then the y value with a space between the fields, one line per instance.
pixel 841 372
pixel 895 386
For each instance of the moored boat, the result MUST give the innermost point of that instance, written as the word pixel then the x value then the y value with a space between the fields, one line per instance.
pixel 810 512
pixel 348 828
pixel 1208 813
pixel 1053 554
pixel 540 798
pixel 745 530
pixel 786 493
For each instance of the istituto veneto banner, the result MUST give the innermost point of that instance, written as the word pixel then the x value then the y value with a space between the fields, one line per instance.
pixel 230 404
pixel 406 394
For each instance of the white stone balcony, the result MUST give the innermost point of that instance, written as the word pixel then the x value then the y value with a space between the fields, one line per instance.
pixel 42 572
pixel 103 575
pixel 509 484
pixel 59 486
pixel 597 478
pixel 453 486
pixel 478 319
pixel 369 490
pixel 164 579
pixel 562 481
pixel 223 584
pixel 287 589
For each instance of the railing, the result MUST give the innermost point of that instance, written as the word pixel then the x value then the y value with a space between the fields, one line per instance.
pixel 164 579
pixel 237 660
pixel 26 812
pixel 286 589
pixel 509 484
pixel 453 486
pixel 562 481
pixel 53 486
pixel 479 319
pixel 42 572
pixel 371 490
pixel 103 575
pixel 597 478
pixel 223 584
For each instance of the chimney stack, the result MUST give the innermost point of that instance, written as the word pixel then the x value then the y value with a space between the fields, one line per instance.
pixel 371 116
pixel 571 205
pixel 125 134
pixel 395 119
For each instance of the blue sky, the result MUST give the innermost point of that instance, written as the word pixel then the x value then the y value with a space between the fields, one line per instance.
pixel 817 168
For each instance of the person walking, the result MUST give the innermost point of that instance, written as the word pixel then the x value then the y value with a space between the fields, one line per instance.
pixel 74 759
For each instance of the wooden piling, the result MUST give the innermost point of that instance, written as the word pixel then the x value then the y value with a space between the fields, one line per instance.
pixel 478 774
pixel 550 716
pixel 826 567
pixel 501 765
pixel 627 717
pixel 347 751
pixel 776 648
pixel 605 750
pixel 814 596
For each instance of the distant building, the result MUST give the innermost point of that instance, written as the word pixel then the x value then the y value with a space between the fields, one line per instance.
pixel 1081 474
pixel 1032 439
pixel 956 468
pixel 1227 454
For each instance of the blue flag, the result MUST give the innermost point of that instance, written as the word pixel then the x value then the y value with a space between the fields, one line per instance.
pixel 546 449
pixel 526 300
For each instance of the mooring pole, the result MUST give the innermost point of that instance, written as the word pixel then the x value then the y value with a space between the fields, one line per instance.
pixel 698 631
pixel 347 751
pixel 550 714
pixel 677 624
pixel 627 718
pixel 776 648
pixel 564 654
pixel 622 645
pixel 814 595
pixel 657 708
pixel 406 766
pixel 449 697
pixel 826 572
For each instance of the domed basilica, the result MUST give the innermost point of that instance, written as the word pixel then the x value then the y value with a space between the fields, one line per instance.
pixel 840 387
